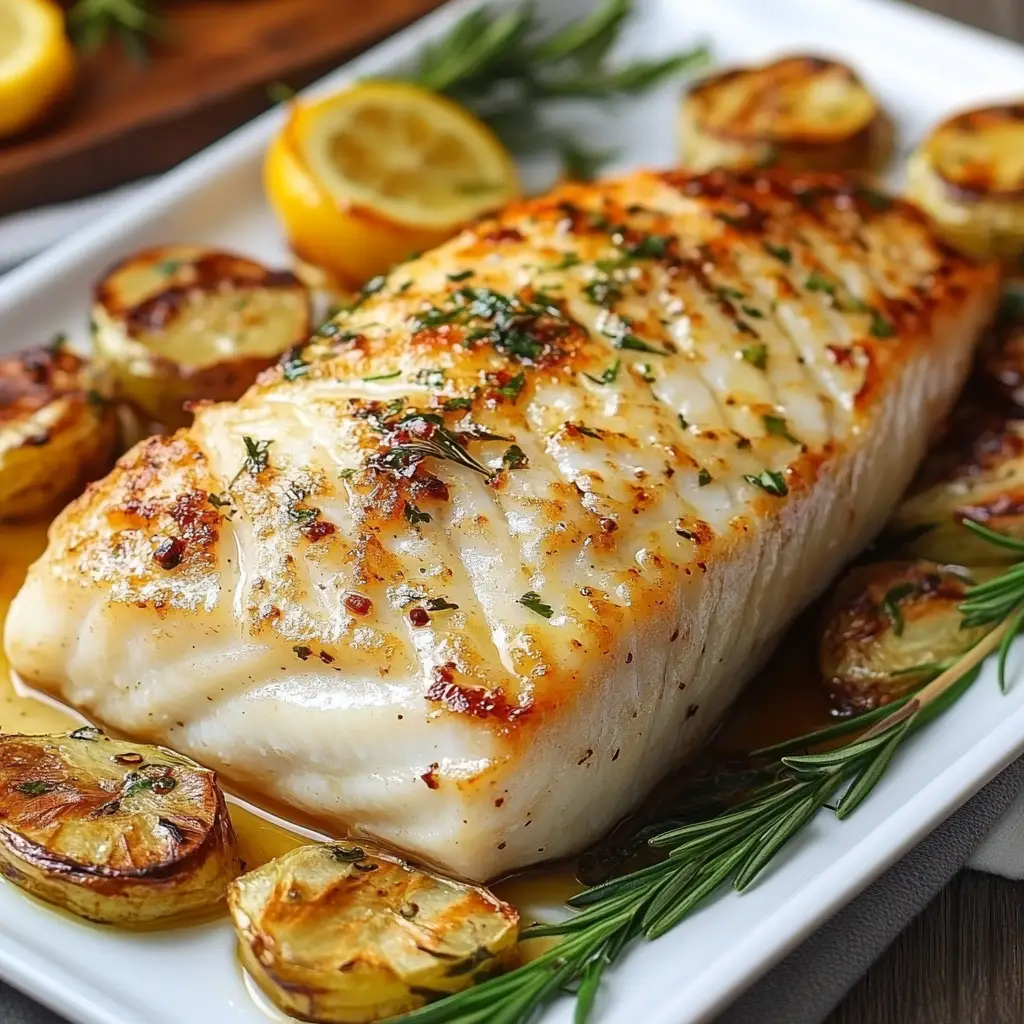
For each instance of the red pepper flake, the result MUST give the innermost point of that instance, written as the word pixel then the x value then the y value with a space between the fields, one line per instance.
pixel 615 756
pixel 691 711
pixel 609 525
pixel 674 637
pixel 131 758
pixel 842 355
pixel 302 651
pixel 318 529
pixel 471 700
pixel 430 776
pixel 326 658
pixel 629 657
pixel 499 801
pixel 419 617
pixel 357 604
pixel 168 552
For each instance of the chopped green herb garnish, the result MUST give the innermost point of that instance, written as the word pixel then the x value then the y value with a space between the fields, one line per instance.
pixel 513 386
pixel 374 285
pixel 817 282
pixel 294 364
pixel 648 247
pixel 414 516
pixel 514 458
pixel 776 426
pixel 257 458
pixel 880 327
pixel 36 787
pixel 602 292
pixel 168 267
pixel 428 438
pixel 770 481
pixel 349 471
pixel 703 477
pixel 531 599
pixel 570 259
pixel 391 375
pixel 682 422
pixel 645 372
pixel 348 854
pixel 756 355
pixel 753 311
pixel 607 376
pixel 891 604
pixel 457 402
pixel 727 294
pixel 780 252
pixel 636 344
pixel 296 495
pixel 462 275
pixel 219 501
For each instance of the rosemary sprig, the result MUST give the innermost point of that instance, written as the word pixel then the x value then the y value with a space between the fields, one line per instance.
pixel 736 843
pixel 134 22
pixel 501 65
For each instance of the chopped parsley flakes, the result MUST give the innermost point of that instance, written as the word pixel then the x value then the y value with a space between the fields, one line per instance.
pixel 770 481
pixel 531 599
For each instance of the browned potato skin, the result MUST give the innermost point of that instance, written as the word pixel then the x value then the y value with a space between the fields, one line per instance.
pixel 751 140
pixel 53 462
pixel 975 473
pixel 1002 363
pixel 339 934
pixel 860 651
pixel 156 869
pixel 976 200
pixel 170 385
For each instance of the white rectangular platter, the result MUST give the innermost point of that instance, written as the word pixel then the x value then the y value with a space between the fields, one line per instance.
pixel 923 68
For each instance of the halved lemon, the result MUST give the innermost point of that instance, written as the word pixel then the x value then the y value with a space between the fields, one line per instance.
pixel 366 177
pixel 37 62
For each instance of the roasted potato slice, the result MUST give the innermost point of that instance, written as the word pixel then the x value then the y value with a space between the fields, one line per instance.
pixel 182 323
pixel 891 626
pixel 800 112
pixel 976 474
pixel 335 933
pixel 1002 364
pixel 968 174
pixel 57 429
pixel 115 832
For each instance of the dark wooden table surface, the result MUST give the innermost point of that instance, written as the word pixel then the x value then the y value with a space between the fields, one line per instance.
pixel 962 960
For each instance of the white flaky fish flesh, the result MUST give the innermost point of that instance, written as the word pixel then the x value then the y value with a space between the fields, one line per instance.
pixel 499 546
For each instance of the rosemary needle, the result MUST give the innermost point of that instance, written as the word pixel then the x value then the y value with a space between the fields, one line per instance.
pixel 503 66
pixel 134 22
pixel 739 842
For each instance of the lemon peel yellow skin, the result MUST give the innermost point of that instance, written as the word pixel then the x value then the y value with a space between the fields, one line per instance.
pixel 364 178
pixel 37 63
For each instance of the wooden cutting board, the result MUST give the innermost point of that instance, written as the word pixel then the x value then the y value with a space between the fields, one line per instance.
pixel 127 120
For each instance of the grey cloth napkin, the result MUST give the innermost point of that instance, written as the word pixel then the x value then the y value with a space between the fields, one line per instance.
pixel 806 986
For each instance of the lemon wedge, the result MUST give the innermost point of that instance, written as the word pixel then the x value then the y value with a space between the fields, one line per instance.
pixel 365 177
pixel 37 62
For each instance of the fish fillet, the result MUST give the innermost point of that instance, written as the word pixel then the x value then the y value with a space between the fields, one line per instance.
pixel 473 569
